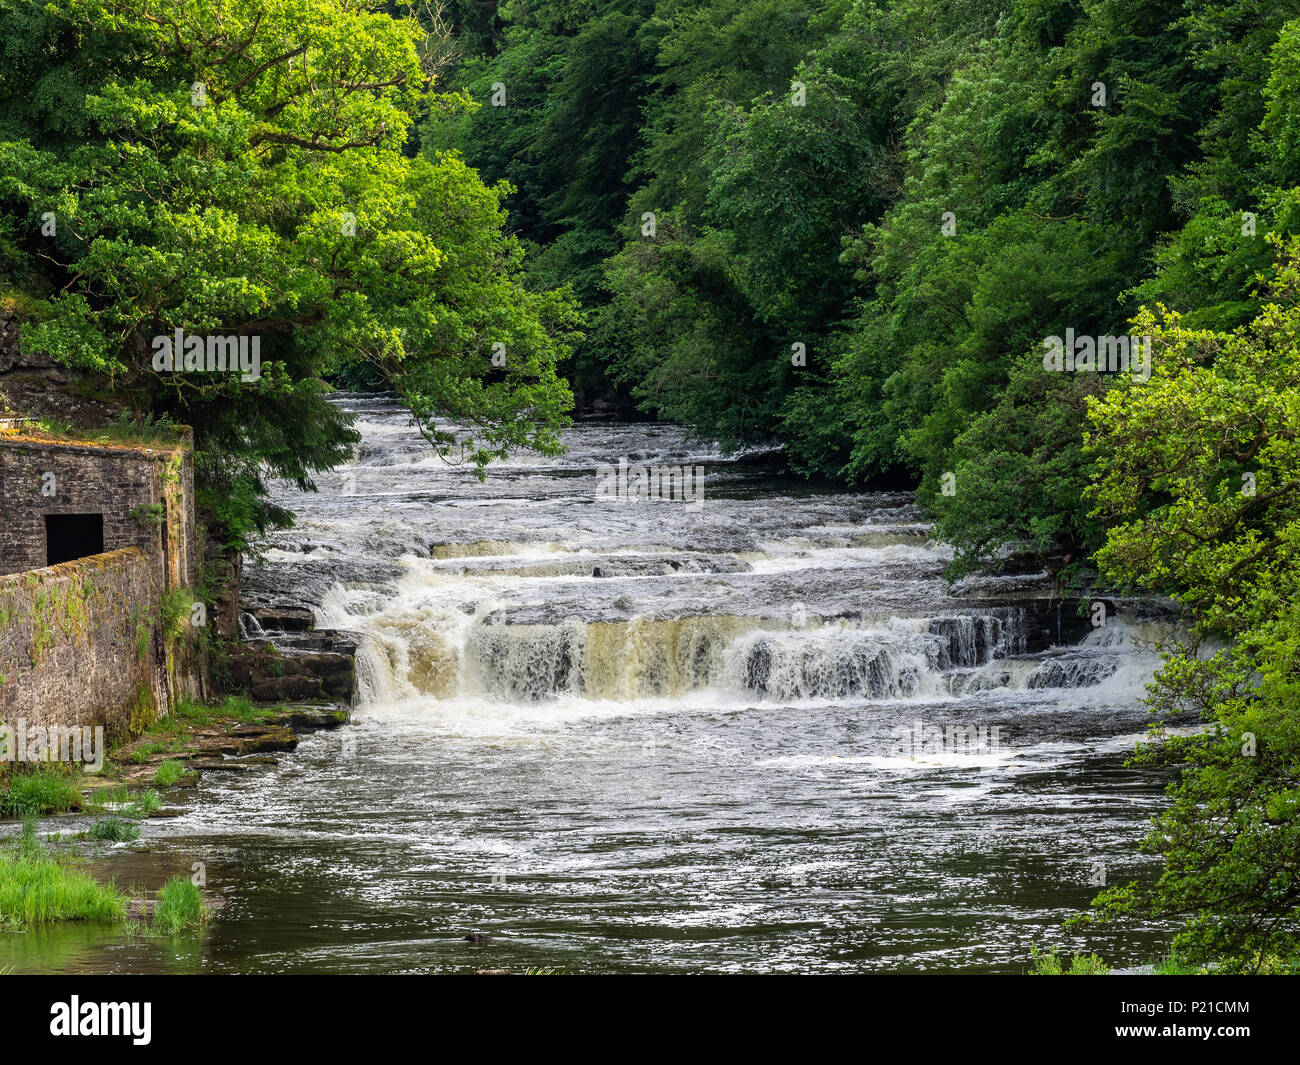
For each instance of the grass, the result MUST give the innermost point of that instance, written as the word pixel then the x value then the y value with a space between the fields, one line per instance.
pixel 36 888
pixel 180 908
pixel 119 800
pixel 115 830
pixel 45 791
pixel 141 754
pixel 168 773
pixel 132 430
pixel 106 798
pixel 165 734
pixel 147 802
pixel 1267 965
pixel 170 735
pixel 55 426
pixel 1049 963
pixel 1172 965
pixel 239 707
pixel 146 432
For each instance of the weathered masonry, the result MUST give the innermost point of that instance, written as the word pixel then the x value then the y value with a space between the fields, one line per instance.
pixel 97 553
pixel 63 500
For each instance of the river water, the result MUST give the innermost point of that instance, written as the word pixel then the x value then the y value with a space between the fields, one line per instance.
pixel 654 735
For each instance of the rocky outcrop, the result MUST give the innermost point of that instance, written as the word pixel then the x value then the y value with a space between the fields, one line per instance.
pixel 268 674
pixel 224 745
pixel 282 618
pixel 289 660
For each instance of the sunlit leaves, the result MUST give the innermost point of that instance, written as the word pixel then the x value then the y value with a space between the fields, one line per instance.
pixel 241 167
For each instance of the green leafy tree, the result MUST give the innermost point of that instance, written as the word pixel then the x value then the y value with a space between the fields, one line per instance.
pixel 1016 475
pixel 244 170
pixel 1200 485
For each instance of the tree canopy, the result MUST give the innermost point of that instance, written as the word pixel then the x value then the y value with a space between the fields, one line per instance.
pixel 251 169
pixel 844 224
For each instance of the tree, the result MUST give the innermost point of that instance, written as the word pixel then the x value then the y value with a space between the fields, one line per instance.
pixel 1200 485
pixel 244 170
pixel 1017 475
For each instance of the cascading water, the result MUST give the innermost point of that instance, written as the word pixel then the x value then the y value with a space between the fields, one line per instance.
pixel 621 735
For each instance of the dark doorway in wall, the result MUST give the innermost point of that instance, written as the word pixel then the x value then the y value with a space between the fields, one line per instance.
pixel 69 536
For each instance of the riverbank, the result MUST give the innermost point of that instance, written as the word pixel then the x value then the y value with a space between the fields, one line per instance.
pixel 44 878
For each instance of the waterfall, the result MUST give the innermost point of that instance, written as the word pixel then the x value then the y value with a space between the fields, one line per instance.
pixel 608 704
pixel 413 649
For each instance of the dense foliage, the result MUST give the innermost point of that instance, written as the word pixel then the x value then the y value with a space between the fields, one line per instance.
pixel 852 226
pixel 915 192
pixel 1200 485
pixel 248 169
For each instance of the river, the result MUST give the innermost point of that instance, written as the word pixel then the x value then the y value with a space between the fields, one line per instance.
pixel 622 735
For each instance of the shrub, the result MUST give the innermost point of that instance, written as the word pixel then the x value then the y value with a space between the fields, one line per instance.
pixel 115 830
pixel 168 773
pixel 180 908
pixel 1049 963
pixel 45 791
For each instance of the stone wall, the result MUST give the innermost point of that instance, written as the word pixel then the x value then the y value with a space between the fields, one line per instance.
pixel 84 643
pixel 144 494
pixel 103 639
